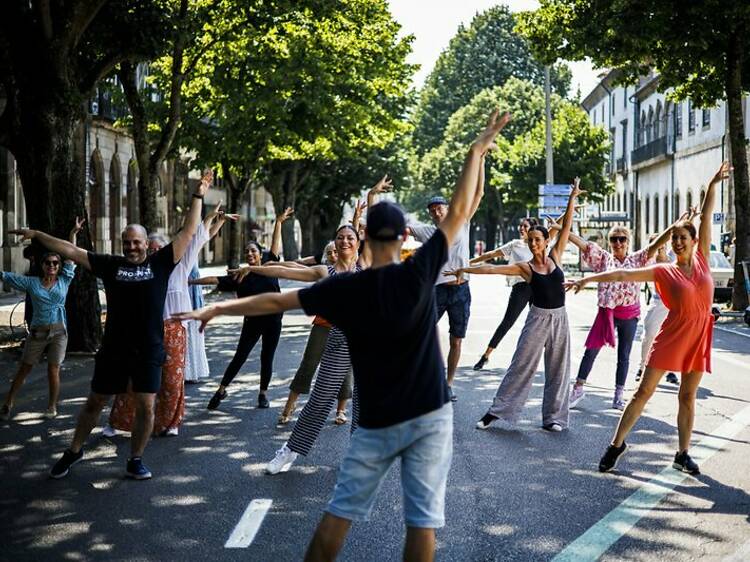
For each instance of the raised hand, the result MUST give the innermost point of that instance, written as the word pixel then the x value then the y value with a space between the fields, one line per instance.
pixel 575 188
pixel 383 186
pixel 234 217
pixel 486 139
pixel 24 233
pixel 78 225
pixel 722 173
pixel 285 215
pixel 204 315
pixel 359 208
pixel 239 274
pixel 575 285
pixel 206 181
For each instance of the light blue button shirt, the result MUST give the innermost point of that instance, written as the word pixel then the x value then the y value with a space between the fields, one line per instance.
pixel 49 304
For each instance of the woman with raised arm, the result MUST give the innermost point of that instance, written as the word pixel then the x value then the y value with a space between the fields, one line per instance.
pixel 265 328
pixel 515 251
pixel 48 327
pixel 619 307
pixel 335 363
pixel 546 330
pixel 684 342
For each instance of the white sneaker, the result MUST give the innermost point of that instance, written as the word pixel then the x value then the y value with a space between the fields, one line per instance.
pixel 108 431
pixel 172 431
pixel 554 427
pixel 576 395
pixel 282 461
pixel 50 413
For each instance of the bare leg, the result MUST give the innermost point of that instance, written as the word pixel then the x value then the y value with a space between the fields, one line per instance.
pixel 686 410
pixel 454 354
pixel 53 378
pixel 88 417
pixel 342 405
pixel 420 545
pixel 143 424
pixel 633 410
pixel 328 539
pixel 23 371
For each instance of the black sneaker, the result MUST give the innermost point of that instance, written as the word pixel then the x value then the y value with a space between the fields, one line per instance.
pixel 479 365
pixel 136 469
pixel 683 462
pixel 216 400
pixel 486 420
pixel 453 396
pixel 611 456
pixel 62 467
pixel 671 377
pixel 638 375
pixel 263 401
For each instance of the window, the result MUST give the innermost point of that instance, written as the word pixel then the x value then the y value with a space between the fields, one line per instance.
pixel 647 213
pixel 691 117
pixel 625 97
pixel 666 211
pixel 676 205
pixel 624 141
pixel 657 121
pixel 706 118
pixel 602 112
pixel 678 119
pixel 656 214
pixel 612 103
pixel 689 199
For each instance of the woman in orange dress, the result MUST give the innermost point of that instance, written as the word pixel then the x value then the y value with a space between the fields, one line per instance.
pixel 684 342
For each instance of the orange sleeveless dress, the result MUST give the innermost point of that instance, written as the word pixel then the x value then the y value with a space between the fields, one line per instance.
pixel 684 342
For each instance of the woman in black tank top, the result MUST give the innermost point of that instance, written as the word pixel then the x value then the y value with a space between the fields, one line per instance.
pixel 546 322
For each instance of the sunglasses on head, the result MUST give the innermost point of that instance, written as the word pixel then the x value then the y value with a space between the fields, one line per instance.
pixel 620 239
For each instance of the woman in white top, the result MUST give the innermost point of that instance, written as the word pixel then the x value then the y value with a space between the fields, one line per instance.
pixel 515 251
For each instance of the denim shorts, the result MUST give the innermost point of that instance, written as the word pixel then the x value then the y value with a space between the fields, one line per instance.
pixel 456 301
pixel 425 446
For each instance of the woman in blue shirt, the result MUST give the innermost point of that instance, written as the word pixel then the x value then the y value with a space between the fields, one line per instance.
pixel 48 329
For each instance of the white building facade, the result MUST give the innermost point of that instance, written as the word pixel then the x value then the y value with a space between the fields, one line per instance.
pixel 663 155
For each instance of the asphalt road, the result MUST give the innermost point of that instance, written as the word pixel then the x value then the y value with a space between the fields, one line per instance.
pixel 521 495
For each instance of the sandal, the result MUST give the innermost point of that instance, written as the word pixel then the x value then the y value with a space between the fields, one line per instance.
pixel 216 400
pixel 340 417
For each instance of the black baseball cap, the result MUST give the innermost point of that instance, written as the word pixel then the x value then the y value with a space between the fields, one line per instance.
pixel 386 222
pixel 437 200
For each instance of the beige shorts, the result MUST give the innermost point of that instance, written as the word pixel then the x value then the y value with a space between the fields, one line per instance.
pixel 52 339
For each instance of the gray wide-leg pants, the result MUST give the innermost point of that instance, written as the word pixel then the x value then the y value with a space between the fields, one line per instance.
pixel 546 330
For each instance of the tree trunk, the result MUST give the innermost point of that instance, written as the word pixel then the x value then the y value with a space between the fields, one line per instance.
pixel 739 161
pixel 235 232
pixel 285 178
pixel 50 152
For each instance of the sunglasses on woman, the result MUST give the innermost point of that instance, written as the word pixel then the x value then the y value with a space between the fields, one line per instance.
pixel 51 262
pixel 620 239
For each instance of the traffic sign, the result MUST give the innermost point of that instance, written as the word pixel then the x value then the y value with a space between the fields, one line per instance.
pixel 718 218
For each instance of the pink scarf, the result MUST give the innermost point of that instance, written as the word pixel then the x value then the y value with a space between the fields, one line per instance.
pixel 603 331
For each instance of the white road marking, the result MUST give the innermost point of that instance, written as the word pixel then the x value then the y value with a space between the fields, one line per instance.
pixel 618 522
pixel 244 533
pixel 732 331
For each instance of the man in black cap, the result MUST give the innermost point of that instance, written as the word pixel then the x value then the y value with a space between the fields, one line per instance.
pixel 405 410
pixel 452 293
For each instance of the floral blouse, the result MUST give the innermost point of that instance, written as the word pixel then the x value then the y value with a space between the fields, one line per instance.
pixel 617 293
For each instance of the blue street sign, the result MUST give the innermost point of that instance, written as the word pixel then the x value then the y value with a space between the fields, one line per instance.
pixel 554 189
pixel 718 218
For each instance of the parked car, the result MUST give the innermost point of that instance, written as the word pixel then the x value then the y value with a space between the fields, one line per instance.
pixel 723 275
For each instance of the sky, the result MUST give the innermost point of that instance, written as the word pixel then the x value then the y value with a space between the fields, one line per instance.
pixel 433 23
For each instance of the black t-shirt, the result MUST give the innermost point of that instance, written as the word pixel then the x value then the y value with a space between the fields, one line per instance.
pixel 135 303
pixel 252 284
pixel 391 332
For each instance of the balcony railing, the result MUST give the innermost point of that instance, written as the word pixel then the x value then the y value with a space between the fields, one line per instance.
pixel 653 149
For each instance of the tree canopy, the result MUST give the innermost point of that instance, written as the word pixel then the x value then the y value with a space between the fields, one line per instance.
pixel 483 55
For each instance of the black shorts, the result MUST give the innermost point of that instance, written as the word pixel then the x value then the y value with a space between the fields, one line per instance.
pixel 113 373
pixel 456 301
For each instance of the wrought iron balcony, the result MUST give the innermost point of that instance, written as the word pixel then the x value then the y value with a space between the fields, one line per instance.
pixel 653 149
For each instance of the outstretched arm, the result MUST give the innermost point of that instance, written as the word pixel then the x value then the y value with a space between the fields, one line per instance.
pixel 480 188
pixel 68 251
pixel 258 305
pixel 280 220
pixel 311 274
pixel 465 194
pixel 496 253
pixel 204 281
pixel 487 269
pixel 383 186
pixel 182 239
pixel 567 221
pixel 639 275
pixel 73 236
pixel 664 236
pixel 707 209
